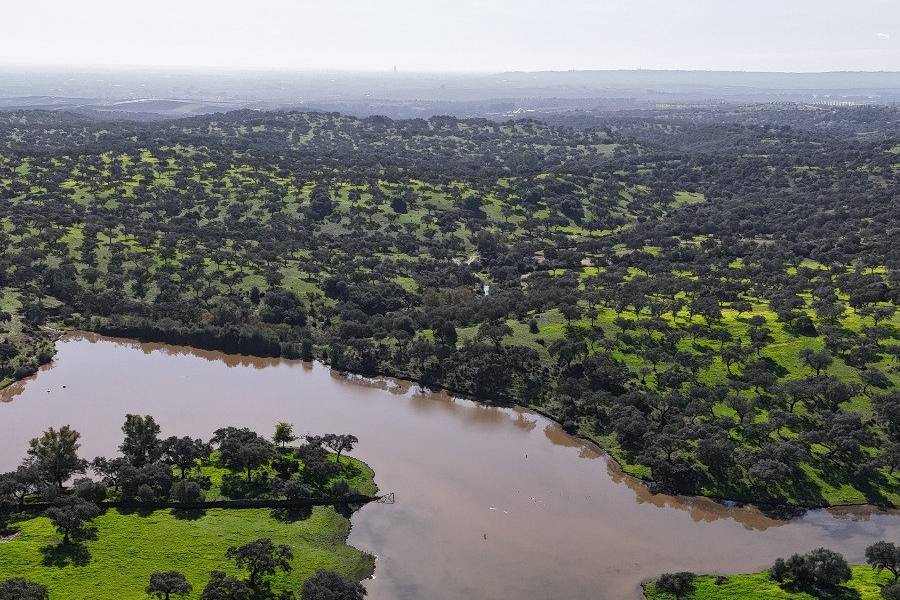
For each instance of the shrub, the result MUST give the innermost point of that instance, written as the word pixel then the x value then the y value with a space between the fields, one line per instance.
pixel 187 492
pixel 891 592
pixel 327 585
pixel 340 488
pixel 821 568
pixel 145 493
pixel 22 589
pixel 294 490
pixel 90 490
pixel 222 586
pixel 166 584
pixel 680 585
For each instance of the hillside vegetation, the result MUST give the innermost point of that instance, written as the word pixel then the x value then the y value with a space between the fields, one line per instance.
pixel 713 302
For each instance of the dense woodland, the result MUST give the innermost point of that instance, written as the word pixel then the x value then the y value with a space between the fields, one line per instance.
pixel 712 299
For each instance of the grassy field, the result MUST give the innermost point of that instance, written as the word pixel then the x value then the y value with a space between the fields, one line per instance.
pixel 866 584
pixel 128 547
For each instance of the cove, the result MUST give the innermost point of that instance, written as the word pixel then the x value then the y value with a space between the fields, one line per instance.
pixel 492 503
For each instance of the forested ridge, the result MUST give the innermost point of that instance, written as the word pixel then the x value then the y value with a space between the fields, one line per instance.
pixel 712 299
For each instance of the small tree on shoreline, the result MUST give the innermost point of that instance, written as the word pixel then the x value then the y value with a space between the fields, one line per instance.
pixel 284 434
pixel 884 556
pixel 328 585
pixel 680 585
pixel 340 443
pixel 55 454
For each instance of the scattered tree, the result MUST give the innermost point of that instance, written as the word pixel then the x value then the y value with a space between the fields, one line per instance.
pixel 70 515
pixel 184 452
pixel 820 568
pixel 284 434
pixel 884 556
pixel 166 584
pixel 340 443
pixel 225 587
pixel 261 558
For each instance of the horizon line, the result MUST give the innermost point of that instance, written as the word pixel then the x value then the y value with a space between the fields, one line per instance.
pixel 258 69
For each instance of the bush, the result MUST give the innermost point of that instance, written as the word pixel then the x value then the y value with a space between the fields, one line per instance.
pixel 147 483
pixel 340 488
pixel 90 490
pixel 146 493
pixel 22 589
pixel 779 571
pixel 820 568
pixel 680 585
pixel 221 586
pixel 285 466
pixel 187 492
pixel 327 585
pixel 294 490
pixel 236 487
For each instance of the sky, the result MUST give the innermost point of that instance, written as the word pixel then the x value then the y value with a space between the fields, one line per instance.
pixel 456 35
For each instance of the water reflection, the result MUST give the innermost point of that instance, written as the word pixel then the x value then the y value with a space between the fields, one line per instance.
pixel 229 360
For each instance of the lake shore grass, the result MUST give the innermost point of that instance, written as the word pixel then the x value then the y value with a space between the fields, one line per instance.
pixel 129 546
pixel 866 584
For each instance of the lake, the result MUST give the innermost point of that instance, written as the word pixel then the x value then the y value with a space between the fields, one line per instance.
pixel 491 503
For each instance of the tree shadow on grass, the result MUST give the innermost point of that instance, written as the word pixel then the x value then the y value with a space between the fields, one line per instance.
pixel 292 514
pixel 832 593
pixel 345 510
pixel 134 509
pixel 774 367
pixel 264 591
pixel 191 514
pixel 803 490
pixel 872 489
pixel 870 485
pixel 8 532
pixel 65 553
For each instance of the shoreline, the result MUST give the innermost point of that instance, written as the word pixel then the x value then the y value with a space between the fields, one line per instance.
pixel 779 511
pixel 865 583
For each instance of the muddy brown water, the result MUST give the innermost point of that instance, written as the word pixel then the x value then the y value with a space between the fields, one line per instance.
pixel 492 503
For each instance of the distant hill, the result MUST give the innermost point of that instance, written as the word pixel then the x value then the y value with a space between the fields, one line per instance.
pixel 155 93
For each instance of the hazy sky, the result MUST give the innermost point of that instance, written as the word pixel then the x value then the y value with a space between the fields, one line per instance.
pixel 457 35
